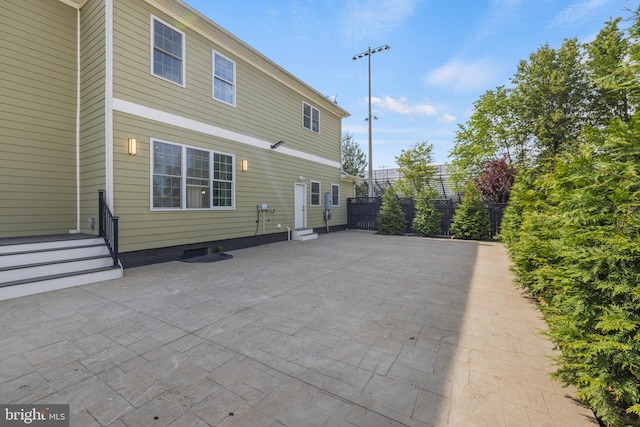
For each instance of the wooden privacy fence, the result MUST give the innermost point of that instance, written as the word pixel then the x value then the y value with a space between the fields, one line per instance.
pixel 362 213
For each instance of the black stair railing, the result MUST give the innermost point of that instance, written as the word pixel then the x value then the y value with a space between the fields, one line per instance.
pixel 108 227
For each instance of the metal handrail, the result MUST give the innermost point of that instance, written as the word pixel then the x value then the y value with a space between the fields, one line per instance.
pixel 108 227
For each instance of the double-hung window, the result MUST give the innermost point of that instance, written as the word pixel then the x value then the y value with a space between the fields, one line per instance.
pixel 191 178
pixel 224 79
pixel 168 45
pixel 335 195
pixel 310 118
pixel 315 193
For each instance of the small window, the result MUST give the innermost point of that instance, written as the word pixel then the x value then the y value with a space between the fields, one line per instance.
pixel 222 180
pixel 335 195
pixel 315 193
pixel 167 59
pixel 224 79
pixel 310 118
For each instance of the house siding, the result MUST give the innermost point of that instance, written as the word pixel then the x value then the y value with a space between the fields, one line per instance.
pixel 37 117
pixel 92 112
pixel 266 109
pixel 270 179
pixel 261 101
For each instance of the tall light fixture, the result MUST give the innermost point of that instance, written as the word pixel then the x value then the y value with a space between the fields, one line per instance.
pixel 370 118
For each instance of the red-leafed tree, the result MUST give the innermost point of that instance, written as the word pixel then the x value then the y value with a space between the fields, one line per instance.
pixel 495 181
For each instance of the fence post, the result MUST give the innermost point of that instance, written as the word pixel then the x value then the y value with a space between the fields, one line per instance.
pixel 101 230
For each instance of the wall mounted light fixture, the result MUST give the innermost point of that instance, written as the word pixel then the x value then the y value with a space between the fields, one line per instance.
pixel 277 144
pixel 245 165
pixel 133 146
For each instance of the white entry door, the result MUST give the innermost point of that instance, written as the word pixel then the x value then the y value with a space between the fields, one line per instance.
pixel 300 206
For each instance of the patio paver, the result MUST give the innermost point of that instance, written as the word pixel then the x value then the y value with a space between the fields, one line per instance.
pixel 350 329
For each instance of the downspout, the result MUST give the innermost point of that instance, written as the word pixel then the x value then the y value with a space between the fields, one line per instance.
pixel 77 230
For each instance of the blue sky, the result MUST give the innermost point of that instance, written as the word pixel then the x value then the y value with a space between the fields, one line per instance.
pixel 443 56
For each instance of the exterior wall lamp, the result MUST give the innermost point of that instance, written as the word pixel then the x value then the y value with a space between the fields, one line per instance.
pixel 245 165
pixel 133 146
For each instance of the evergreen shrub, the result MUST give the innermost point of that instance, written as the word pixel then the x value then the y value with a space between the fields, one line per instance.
pixel 391 219
pixel 471 220
pixel 574 237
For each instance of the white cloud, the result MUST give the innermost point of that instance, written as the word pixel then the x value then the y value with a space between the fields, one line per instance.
pixel 371 19
pixel 578 11
pixel 403 106
pixel 447 118
pixel 464 76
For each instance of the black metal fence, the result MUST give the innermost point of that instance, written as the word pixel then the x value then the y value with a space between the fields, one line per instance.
pixel 362 213
pixel 108 227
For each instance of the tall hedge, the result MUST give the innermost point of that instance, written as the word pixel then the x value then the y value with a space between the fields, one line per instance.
pixel 573 233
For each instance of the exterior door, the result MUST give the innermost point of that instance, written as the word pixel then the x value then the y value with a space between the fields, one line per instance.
pixel 299 219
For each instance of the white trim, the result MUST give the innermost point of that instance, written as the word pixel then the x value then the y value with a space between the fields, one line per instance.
pixel 109 102
pixel 77 230
pixel 183 177
pixel 194 125
pixel 311 193
pixel 303 186
pixel 335 185
pixel 71 3
pixel 310 129
pixel 213 78
pixel 152 48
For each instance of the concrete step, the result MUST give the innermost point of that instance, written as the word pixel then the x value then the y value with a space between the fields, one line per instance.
pixel 303 234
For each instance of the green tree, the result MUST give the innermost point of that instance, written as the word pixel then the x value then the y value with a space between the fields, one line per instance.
pixel 416 172
pixel 608 56
pixel 550 97
pixel 575 247
pixel 354 160
pixel 427 220
pixel 490 133
pixel 391 219
pixel 471 220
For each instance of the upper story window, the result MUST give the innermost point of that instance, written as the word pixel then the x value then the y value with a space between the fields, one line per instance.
pixel 315 193
pixel 310 118
pixel 335 195
pixel 224 79
pixel 191 178
pixel 167 59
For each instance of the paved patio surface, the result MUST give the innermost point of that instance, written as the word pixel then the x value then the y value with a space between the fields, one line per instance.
pixel 351 329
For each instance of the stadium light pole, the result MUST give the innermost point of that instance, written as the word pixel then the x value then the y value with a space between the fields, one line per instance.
pixel 369 118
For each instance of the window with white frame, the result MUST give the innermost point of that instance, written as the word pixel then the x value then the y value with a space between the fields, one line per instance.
pixel 315 193
pixel 335 195
pixel 224 79
pixel 167 59
pixel 310 118
pixel 191 178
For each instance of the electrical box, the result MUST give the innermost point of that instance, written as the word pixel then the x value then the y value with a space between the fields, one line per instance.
pixel 327 201
pixel 263 207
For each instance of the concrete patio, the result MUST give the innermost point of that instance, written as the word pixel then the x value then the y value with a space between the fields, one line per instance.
pixel 351 329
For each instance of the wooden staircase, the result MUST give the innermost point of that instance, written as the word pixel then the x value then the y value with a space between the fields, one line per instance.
pixel 33 265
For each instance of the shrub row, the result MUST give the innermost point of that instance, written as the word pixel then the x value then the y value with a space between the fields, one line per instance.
pixel 573 232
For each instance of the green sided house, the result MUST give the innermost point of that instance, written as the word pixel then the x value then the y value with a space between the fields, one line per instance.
pixel 142 119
